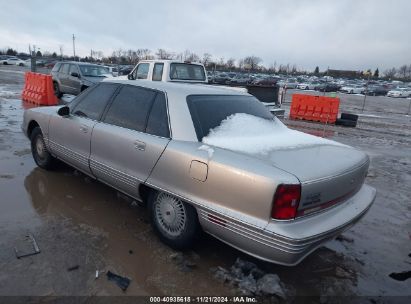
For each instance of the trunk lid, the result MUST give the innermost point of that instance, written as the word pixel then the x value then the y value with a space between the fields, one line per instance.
pixel 329 174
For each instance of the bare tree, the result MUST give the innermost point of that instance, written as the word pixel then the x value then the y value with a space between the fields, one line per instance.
pixel 252 62
pixel 272 67
pixel 163 54
pixel 61 51
pixel 402 71
pixel 230 63
pixel 390 73
pixel 206 59
pixel 409 72
pixel 190 56
pixel 241 64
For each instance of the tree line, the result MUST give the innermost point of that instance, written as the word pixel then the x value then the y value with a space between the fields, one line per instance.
pixel 250 63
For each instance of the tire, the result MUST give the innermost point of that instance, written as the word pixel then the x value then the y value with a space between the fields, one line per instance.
pixel 83 88
pixel 174 221
pixel 346 123
pixel 57 91
pixel 41 156
pixel 348 116
pixel 351 92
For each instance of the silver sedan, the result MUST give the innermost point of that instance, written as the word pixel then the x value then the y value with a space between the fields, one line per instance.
pixel 208 158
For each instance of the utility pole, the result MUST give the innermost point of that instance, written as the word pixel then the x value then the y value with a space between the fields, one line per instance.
pixel 74 47
pixel 61 52
pixel 365 92
pixel 33 58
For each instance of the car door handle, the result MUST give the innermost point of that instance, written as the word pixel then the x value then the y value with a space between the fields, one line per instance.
pixel 139 145
pixel 84 128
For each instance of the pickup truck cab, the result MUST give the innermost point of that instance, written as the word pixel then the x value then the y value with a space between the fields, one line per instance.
pixel 169 71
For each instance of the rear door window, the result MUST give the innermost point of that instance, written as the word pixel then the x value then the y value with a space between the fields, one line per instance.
pixel 73 69
pixel 187 71
pixel 157 123
pixel 65 68
pixel 158 71
pixel 94 102
pixel 130 108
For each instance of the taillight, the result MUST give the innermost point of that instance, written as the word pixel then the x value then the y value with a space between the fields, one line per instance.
pixel 286 200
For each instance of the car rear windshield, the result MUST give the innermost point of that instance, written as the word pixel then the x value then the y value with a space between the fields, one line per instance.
pixel 208 111
pixel 187 71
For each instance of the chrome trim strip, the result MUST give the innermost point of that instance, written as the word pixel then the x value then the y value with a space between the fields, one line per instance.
pixel 74 156
pixel 273 243
pixel 112 172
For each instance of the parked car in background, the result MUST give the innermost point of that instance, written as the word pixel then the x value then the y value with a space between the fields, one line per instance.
pixel 307 85
pixel 74 77
pixel 327 87
pixel 50 64
pixel 221 78
pixel 125 70
pixel 376 90
pixel 240 79
pixel 113 70
pixel 288 83
pixel 400 92
pixel 352 89
pixel 278 196
pixel 12 61
pixel 268 81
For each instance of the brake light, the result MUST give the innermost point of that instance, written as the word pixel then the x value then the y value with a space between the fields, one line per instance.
pixel 286 200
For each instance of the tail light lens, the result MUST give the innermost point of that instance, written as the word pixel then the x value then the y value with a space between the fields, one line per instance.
pixel 286 200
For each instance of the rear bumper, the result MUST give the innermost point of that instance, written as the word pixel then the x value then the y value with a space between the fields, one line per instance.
pixel 288 243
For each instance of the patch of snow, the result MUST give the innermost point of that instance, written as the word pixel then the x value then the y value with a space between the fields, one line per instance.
pixel 371 115
pixel 208 149
pixel 254 135
pixel 67 98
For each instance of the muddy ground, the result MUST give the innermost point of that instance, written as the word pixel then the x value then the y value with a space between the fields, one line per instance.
pixel 80 222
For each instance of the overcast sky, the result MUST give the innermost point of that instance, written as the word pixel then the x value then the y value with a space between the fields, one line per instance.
pixel 343 34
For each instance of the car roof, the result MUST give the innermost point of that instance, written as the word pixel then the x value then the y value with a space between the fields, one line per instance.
pixel 180 88
pixel 78 62
pixel 169 61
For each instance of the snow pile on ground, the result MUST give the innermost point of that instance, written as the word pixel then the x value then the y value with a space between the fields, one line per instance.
pixel 254 135
pixel 67 98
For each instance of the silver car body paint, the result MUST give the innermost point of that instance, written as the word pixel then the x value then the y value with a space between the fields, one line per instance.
pixel 232 191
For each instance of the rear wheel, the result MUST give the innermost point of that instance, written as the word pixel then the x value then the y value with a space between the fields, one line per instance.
pixel 41 155
pixel 57 91
pixel 174 221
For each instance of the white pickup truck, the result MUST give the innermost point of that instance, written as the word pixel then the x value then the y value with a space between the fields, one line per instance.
pixel 170 71
pixel 192 72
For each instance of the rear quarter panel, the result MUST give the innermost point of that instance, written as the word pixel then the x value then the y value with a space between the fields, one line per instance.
pixel 237 186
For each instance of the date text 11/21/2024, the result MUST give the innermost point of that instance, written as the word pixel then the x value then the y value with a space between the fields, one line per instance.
pixel 204 299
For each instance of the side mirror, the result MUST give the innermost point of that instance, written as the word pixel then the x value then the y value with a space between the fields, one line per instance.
pixel 64 111
pixel 74 74
pixel 130 76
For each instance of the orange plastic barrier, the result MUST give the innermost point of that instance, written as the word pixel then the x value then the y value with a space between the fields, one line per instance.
pixel 314 108
pixel 38 89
